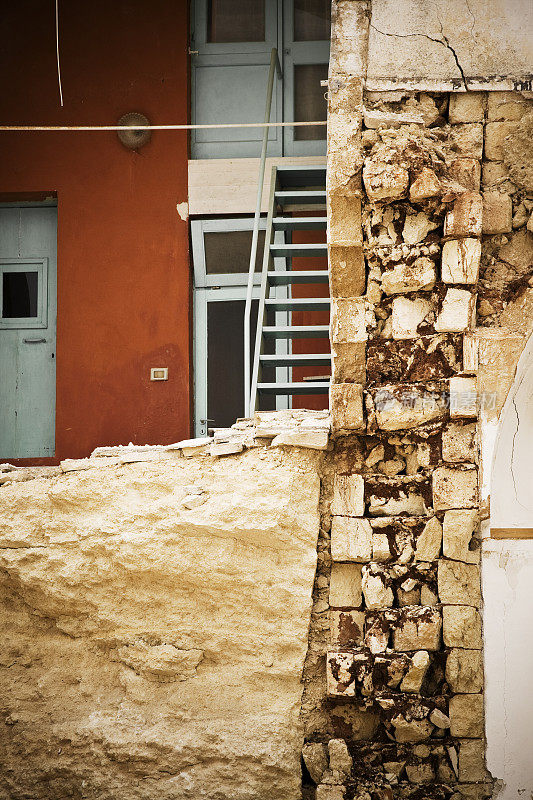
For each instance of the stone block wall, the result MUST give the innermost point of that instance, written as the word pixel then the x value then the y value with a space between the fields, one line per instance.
pixel 429 203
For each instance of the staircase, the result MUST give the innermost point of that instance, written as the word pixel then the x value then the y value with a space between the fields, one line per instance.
pixel 292 189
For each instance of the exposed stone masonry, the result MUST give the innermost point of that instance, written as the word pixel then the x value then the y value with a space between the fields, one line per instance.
pixel 429 206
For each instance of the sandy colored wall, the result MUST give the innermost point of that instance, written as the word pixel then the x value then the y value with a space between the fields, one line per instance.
pixel 123 269
pixel 155 622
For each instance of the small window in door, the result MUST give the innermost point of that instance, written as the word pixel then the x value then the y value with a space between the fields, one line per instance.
pixel 312 20
pixel 309 100
pixel 23 293
pixel 235 21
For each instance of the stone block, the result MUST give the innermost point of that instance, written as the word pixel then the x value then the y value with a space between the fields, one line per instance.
pixel 377 590
pixel 494 173
pixel 345 585
pixel 466 107
pixel 385 182
pixel 346 270
pixel 346 628
pixel 495 133
pixel 460 261
pixel 466 217
pixel 352 722
pixel 420 773
pixel 348 495
pixel 457 312
pixel 463 397
pixel 425 186
pixel 420 275
pixel 464 671
pixel 348 320
pixel 346 404
pixel 381 548
pixel 459 583
pixel 467 139
pixel 428 543
pixel 340 760
pixel 407 316
pixel 315 759
pixel 497 213
pixel 313 439
pixel 344 220
pixel 403 406
pixel 416 730
pixel 439 719
pixel 458 536
pixel 351 539
pixel 416 673
pixel 325 791
pixel 466 172
pixel 459 443
pixel 461 627
pixel 454 488
pixel 417 226
pixel 348 362
pixel 507 106
pixel 472 761
pixel 340 680
pixel 467 716
pixel 418 629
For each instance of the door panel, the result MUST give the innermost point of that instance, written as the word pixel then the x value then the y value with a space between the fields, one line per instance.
pixel 305 64
pixel 229 78
pixel 27 331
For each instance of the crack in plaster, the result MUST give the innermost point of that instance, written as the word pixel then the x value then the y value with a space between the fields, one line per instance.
pixel 444 42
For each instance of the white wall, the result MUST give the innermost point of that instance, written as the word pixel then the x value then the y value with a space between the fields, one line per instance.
pixel 507 575
pixel 507 572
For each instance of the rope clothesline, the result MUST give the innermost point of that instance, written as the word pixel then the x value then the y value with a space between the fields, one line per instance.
pixel 157 127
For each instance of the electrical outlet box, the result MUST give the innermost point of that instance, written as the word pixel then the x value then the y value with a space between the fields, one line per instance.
pixel 159 374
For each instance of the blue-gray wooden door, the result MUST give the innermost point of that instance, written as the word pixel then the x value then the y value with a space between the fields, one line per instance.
pixel 229 76
pixel 28 274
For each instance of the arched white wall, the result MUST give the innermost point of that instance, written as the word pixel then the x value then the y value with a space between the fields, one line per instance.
pixel 507 574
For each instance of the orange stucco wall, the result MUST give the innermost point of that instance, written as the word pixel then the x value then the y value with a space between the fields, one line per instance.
pixel 123 262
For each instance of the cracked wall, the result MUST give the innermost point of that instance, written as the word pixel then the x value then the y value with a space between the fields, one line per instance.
pixel 429 202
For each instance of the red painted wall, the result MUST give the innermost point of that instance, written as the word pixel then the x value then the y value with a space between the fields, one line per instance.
pixel 123 263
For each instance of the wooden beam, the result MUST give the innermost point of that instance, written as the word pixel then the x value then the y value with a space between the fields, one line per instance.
pixel 511 533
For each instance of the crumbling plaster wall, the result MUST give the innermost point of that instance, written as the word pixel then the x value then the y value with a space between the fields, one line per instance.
pixel 429 205
pixel 155 615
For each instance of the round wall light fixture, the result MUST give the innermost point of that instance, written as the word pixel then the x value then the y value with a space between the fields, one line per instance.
pixel 135 138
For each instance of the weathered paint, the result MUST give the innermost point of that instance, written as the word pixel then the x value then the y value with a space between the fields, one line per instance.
pixel 123 269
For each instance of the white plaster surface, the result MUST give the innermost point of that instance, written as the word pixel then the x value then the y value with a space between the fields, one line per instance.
pixel 512 471
pixel 507 572
pixel 491 38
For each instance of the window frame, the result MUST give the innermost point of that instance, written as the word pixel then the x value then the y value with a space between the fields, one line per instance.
pixel 24 264
pixel 203 280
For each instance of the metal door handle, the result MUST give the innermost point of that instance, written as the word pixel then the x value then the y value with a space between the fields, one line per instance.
pixel 34 341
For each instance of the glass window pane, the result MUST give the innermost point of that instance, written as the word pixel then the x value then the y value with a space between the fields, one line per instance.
pixel 236 21
pixel 229 251
pixel 309 99
pixel 312 20
pixel 19 294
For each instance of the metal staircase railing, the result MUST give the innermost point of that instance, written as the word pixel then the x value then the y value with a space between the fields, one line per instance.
pixel 275 66
pixel 294 186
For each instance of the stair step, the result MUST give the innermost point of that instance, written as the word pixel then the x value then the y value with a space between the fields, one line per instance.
pixel 296 360
pixel 290 250
pixel 285 278
pixel 299 223
pixel 296 331
pixel 292 175
pixel 305 196
pixel 297 303
pixel 307 387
